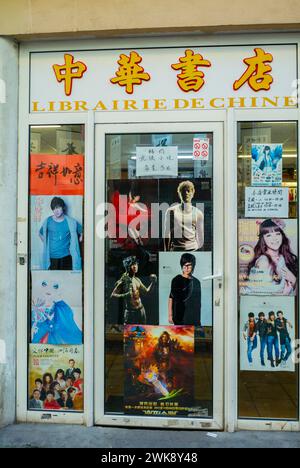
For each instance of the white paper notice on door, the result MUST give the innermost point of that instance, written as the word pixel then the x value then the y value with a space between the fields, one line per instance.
pixel 266 202
pixel 157 161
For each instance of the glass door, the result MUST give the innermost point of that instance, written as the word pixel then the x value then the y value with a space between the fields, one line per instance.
pixel 159 275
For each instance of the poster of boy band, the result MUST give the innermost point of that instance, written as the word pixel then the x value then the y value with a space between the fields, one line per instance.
pixel 267 330
pixel 56 310
pixel 268 257
pixel 159 363
pixel 55 377
pixel 267 165
pixel 56 232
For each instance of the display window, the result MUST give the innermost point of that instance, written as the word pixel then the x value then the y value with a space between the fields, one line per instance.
pixel 268 269
pixel 56 316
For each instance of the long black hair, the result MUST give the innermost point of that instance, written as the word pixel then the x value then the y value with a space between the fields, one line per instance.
pixel 261 248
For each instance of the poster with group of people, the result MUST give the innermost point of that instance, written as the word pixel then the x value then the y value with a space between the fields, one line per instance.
pixel 156 292
pixel 56 241
pixel 268 269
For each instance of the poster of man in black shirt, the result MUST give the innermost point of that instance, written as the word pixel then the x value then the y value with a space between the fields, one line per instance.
pixel 184 306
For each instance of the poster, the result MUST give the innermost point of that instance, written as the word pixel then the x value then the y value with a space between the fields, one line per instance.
pixel 267 330
pixel 268 257
pixel 267 165
pixel 56 307
pixel 157 161
pixel 163 139
pixel 131 168
pixel 266 202
pixel 70 142
pixel 52 174
pixel 247 138
pixel 115 155
pixel 55 378
pixel 184 223
pixel 203 169
pixel 159 366
pixel 64 239
pixel 35 142
pixel 130 223
pixel 191 298
pixel 132 289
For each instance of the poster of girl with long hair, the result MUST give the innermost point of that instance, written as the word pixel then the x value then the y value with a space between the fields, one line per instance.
pixel 268 257
pixel 267 165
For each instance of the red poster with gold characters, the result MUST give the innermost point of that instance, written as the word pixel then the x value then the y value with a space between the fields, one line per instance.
pixel 56 174
pixel 159 370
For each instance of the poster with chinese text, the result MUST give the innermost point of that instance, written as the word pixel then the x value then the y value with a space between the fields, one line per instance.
pixel 268 257
pixel 56 174
pixel 159 369
pixel 267 331
pixel 267 165
pixel 56 378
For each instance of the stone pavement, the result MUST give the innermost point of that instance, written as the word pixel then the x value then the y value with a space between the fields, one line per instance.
pixel 71 436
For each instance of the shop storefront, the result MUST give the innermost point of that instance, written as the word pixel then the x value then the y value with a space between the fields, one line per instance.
pixel 158 233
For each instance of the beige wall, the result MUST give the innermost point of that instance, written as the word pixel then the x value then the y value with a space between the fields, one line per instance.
pixel 30 18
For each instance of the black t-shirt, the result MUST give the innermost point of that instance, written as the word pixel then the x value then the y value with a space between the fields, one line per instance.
pixel 186 295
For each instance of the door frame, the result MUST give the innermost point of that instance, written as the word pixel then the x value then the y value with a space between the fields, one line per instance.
pixel 217 423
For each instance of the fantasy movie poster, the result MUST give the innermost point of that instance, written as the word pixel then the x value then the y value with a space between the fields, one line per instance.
pixel 159 367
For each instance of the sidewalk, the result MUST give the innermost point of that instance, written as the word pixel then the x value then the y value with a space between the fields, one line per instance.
pixel 66 436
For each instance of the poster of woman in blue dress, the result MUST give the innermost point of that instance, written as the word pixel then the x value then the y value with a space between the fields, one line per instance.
pixel 267 165
pixel 56 308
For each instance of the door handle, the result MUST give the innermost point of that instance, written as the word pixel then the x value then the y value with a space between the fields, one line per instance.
pixel 218 276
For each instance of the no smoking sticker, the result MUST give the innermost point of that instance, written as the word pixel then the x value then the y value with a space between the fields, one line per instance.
pixel 200 149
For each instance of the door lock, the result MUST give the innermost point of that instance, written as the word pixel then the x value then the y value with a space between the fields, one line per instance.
pixel 22 259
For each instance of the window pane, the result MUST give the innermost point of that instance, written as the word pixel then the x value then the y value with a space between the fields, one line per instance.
pixel 268 269
pixel 55 319
pixel 154 367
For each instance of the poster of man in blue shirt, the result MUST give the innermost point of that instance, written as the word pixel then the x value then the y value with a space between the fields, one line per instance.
pixel 61 236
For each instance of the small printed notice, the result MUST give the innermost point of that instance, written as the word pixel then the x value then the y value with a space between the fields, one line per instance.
pixel 267 202
pixel 157 161
pixel 200 149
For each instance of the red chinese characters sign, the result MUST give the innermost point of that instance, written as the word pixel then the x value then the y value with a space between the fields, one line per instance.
pixel 191 77
pixel 257 74
pixel 69 71
pixel 130 73
pixel 56 174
